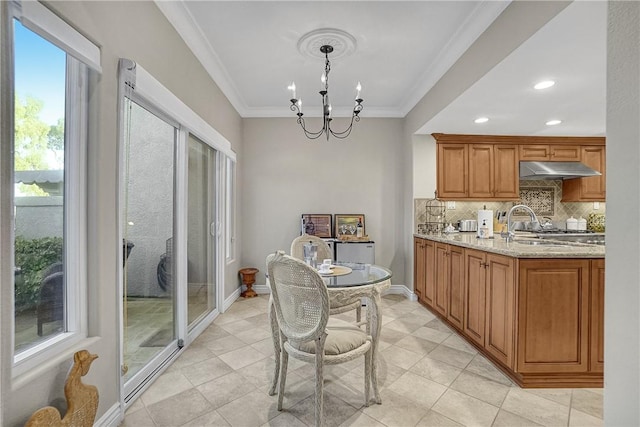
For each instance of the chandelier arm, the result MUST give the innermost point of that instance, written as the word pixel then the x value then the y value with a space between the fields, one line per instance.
pixel 326 106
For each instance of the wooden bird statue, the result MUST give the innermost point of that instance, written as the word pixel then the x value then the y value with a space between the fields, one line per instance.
pixel 82 399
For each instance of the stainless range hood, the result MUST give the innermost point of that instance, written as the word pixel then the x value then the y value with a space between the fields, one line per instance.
pixel 555 170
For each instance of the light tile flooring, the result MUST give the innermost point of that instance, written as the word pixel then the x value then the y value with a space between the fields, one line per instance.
pixel 428 376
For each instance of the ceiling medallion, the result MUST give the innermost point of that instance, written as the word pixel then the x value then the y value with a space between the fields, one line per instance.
pixel 343 43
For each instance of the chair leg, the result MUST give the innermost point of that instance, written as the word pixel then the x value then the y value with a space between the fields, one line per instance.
pixel 275 335
pixel 367 377
pixel 320 380
pixel 284 360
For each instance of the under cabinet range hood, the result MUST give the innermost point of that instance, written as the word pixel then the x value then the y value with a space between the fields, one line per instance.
pixel 555 170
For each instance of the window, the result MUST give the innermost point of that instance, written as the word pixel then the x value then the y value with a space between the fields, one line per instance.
pixel 230 204
pixel 48 162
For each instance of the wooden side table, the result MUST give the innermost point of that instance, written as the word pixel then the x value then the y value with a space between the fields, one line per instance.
pixel 248 279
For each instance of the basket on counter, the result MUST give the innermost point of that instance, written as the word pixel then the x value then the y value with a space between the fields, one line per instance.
pixel 596 222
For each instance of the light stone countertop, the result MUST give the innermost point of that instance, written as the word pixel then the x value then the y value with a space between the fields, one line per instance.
pixel 514 249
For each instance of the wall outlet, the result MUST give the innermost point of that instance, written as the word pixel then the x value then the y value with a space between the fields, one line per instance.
pixel 596 205
pixel 451 205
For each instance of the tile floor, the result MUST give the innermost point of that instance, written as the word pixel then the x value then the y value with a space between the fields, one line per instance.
pixel 428 376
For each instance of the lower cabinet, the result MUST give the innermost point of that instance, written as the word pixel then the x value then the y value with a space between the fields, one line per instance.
pixel 489 303
pixel 553 316
pixel 596 328
pixel 540 320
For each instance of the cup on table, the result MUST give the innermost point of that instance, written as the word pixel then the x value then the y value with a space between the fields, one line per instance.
pixel 325 268
pixel 326 261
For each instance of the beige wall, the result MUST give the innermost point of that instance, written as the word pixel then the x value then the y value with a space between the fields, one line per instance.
pixel 138 31
pixel 286 175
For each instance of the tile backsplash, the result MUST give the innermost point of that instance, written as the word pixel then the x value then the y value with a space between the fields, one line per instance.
pixel 542 196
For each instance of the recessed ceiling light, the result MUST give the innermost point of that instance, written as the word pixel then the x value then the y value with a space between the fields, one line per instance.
pixel 481 120
pixel 544 84
pixel 553 122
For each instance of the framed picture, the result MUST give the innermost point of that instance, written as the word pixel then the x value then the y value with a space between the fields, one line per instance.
pixel 319 225
pixel 345 225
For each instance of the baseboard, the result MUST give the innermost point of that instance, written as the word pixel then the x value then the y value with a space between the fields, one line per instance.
pixel 112 418
pixel 231 299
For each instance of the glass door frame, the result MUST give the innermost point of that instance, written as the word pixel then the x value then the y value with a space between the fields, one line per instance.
pixel 140 86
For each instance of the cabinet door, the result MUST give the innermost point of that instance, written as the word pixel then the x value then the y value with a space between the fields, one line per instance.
pixel 553 316
pixel 455 287
pixel 481 171
pixel 418 268
pixel 534 152
pixel 441 276
pixel 506 182
pixel 452 171
pixel 430 272
pixel 596 354
pixel 474 298
pixel 592 188
pixel 500 308
pixel 564 153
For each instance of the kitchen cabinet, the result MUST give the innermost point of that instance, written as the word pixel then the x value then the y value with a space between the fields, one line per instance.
pixel 452 169
pixel 475 295
pixel 493 171
pixel 500 308
pixel 424 270
pixel 478 171
pixel 553 316
pixel 455 286
pixel 554 153
pixel 590 189
pixel 596 328
pixel 441 279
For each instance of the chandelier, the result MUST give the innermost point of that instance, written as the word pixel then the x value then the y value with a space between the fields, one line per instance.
pixel 296 104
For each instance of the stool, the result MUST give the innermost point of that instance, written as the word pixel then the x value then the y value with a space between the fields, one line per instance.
pixel 248 279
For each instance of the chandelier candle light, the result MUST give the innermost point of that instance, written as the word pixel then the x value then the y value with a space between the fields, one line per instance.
pixel 296 104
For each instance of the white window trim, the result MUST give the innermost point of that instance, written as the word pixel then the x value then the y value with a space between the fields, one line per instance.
pixel 230 210
pixel 30 362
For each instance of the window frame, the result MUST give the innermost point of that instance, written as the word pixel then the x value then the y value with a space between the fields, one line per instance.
pixel 230 210
pixel 75 197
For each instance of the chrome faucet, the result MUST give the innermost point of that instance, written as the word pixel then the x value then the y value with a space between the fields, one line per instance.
pixel 510 234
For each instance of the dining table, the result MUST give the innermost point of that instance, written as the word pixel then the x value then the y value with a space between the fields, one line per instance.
pixel 347 284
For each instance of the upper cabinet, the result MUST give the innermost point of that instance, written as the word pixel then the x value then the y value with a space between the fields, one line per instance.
pixel 477 171
pixel 591 189
pixel 486 167
pixel 554 153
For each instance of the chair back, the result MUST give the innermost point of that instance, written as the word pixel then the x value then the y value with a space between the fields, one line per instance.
pixel 300 297
pixel 297 251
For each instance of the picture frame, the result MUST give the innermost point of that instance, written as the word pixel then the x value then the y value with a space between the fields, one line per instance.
pixel 319 225
pixel 345 224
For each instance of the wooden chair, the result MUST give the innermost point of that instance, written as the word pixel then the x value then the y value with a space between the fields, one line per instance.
pixel 301 302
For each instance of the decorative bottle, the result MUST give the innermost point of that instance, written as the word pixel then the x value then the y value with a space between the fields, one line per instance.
pixel 359 228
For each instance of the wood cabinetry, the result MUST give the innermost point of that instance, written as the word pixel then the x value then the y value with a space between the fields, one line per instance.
pixel 486 167
pixel 554 153
pixel 490 303
pixel 553 316
pixel 455 286
pixel 540 320
pixel 500 303
pixel 424 270
pixel 592 188
pixel 478 171
pixel 452 168
pixel 596 328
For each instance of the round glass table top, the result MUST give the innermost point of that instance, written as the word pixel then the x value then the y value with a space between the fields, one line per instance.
pixel 361 275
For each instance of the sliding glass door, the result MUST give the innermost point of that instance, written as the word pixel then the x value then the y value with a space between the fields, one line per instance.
pixel 149 290
pixel 201 224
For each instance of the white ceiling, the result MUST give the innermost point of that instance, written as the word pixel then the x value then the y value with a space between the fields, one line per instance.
pixel 403 48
